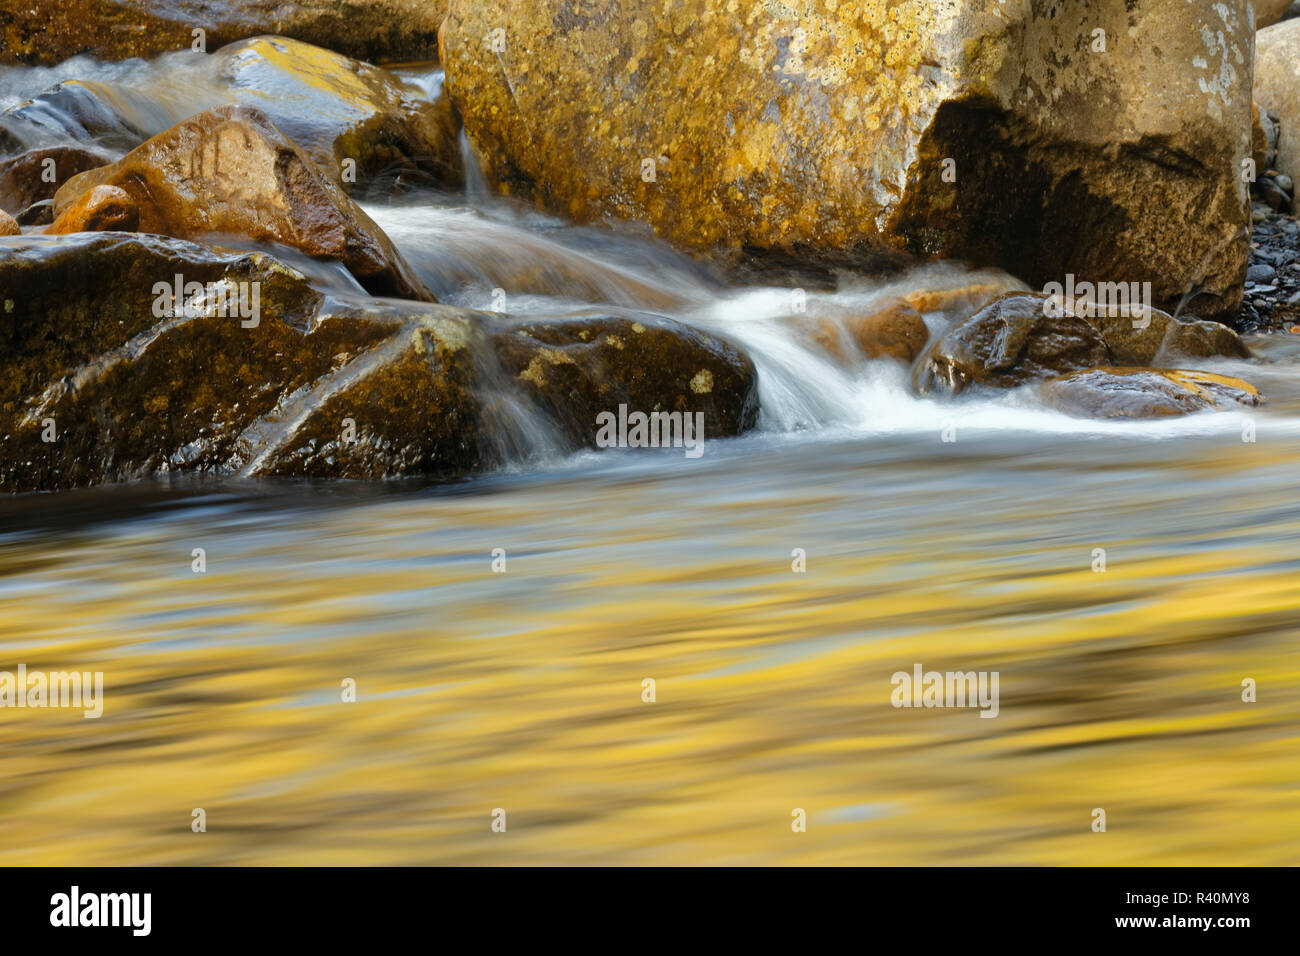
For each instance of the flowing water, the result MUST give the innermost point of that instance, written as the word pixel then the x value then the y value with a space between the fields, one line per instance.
pixel 523 689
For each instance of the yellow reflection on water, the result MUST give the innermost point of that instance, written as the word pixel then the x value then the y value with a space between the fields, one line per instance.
pixel 524 691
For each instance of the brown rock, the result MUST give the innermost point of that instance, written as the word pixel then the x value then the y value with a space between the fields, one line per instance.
pixel 26 179
pixel 8 226
pixel 47 33
pixel 231 171
pixel 1010 341
pixel 1145 393
pixel 965 299
pixel 837 134
pixel 894 329
pixel 1156 338
pixel 103 209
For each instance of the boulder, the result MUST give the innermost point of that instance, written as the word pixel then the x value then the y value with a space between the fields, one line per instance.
pixel 339 109
pixel 128 379
pixel 1277 87
pixel 103 209
pixel 8 225
pixel 1015 339
pixel 1018 135
pixel 40 33
pixel 38 173
pixel 1145 393
pixel 231 171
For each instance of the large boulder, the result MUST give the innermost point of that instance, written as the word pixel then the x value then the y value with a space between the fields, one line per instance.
pixel 37 174
pixel 231 171
pixel 1145 393
pixel 8 226
pixel 1023 135
pixel 106 374
pixel 1015 339
pixel 1277 88
pixel 47 33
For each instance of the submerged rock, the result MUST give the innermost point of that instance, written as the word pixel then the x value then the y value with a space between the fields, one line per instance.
pixel 1277 88
pixel 1145 393
pixel 1017 135
pixel 1011 341
pixel 38 173
pixel 107 375
pixel 90 112
pixel 42 33
pixel 892 329
pixel 338 109
pixel 231 171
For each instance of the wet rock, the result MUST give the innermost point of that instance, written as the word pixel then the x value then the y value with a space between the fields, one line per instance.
pixel 97 114
pixel 1277 87
pixel 8 225
pixel 338 109
pixel 103 209
pixel 1145 393
pixel 230 171
pixel 576 367
pixel 37 214
pixel 1010 342
pixel 126 380
pixel 38 173
pixel 892 329
pixel 965 299
pixel 48 33
pixel 974 129
pixel 1146 339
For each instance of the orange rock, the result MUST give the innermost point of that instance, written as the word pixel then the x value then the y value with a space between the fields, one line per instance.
pixel 967 299
pixel 8 226
pixel 230 171
pixel 103 209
